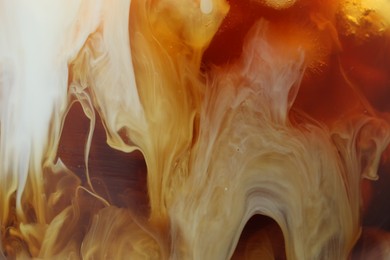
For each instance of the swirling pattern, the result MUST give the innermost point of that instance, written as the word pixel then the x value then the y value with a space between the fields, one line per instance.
pixel 210 113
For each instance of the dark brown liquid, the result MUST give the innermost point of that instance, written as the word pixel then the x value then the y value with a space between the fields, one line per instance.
pixel 334 84
pixel 119 177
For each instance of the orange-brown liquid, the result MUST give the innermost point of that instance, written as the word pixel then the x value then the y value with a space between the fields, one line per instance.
pixel 347 73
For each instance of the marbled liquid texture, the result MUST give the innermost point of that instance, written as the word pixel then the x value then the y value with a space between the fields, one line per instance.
pixel 193 129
